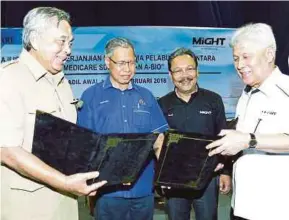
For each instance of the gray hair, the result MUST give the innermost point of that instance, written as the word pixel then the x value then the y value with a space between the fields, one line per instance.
pixel 259 33
pixel 180 52
pixel 114 43
pixel 40 19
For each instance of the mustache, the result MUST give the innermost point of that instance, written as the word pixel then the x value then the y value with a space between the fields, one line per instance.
pixel 184 79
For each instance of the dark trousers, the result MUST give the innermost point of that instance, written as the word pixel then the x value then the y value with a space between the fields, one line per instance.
pixel 205 203
pixel 111 208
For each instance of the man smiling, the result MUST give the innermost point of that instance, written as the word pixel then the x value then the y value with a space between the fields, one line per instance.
pixel 190 108
pixel 261 175
pixel 117 105
pixel 36 82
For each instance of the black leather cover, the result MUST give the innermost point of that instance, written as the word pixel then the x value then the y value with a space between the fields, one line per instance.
pixel 72 149
pixel 184 161
pixel 231 124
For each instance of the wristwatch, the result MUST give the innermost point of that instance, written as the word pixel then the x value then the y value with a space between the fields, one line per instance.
pixel 253 142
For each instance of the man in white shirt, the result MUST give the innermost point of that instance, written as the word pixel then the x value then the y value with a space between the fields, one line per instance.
pixel 261 177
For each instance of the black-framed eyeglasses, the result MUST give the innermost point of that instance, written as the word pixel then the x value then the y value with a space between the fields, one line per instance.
pixel 179 71
pixel 122 64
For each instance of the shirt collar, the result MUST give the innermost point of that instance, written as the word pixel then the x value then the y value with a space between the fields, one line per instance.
pixel 37 70
pixel 107 84
pixel 268 84
pixel 249 89
pixel 192 95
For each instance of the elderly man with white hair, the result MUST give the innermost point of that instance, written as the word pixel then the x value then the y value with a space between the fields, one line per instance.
pixel 30 189
pixel 261 177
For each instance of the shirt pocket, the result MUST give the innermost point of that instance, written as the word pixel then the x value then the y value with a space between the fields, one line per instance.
pixel 142 118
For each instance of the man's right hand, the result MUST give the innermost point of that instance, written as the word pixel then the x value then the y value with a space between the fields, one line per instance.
pixel 77 184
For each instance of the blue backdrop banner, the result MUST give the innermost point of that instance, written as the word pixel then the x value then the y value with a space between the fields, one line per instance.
pixel 153 45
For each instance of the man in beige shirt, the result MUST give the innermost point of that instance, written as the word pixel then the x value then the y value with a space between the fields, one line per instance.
pixel 30 189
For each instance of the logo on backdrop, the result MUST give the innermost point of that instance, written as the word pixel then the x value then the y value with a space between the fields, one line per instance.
pixel 208 41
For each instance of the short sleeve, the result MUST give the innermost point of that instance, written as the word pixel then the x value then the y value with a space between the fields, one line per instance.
pixel 12 113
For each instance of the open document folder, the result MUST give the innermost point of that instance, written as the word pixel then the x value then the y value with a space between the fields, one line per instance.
pixel 184 161
pixel 72 149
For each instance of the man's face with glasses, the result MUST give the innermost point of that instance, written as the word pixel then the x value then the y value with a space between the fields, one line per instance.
pixel 122 67
pixel 184 74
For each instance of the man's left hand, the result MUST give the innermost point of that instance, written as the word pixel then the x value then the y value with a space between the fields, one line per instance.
pixel 231 144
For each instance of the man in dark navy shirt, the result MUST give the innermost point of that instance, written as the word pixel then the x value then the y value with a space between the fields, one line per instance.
pixel 117 105
pixel 190 108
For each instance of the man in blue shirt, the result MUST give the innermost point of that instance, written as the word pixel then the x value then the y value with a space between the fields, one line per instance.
pixel 117 105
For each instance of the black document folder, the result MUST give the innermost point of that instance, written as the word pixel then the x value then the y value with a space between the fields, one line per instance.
pixel 72 149
pixel 184 161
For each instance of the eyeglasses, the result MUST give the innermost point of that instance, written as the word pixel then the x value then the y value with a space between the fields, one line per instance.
pixel 179 71
pixel 122 64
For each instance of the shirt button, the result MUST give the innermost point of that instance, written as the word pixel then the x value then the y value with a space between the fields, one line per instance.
pixel 123 106
pixel 122 93
pixel 125 120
